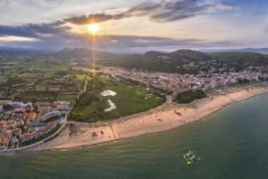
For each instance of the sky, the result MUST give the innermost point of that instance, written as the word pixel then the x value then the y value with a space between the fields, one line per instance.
pixel 135 26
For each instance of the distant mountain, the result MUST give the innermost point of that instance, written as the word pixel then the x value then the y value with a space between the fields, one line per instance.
pixel 254 50
pixel 178 55
pixel 190 55
pixel 160 61
pixel 184 61
pixel 241 59
pixel 257 50
pixel 155 54
pixel 73 52
pixel 82 53
pixel 180 61
pixel 19 51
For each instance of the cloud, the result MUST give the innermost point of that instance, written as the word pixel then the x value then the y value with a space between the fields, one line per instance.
pixel 55 36
pixel 120 41
pixel 165 11
pixel 42 36
pixel 120 44
pixel 33 30
pixel 140 44
pixel 58 34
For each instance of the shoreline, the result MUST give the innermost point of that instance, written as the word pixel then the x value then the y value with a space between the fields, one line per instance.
pixel 159 119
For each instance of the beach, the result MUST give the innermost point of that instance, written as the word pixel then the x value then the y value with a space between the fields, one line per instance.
pixel 165 117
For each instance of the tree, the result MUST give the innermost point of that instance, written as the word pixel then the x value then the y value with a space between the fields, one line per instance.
pixel 7 106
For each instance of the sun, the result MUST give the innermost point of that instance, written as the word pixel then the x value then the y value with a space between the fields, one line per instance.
pixel 93 28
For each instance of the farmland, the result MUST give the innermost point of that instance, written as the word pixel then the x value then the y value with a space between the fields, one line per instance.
pixel 39 80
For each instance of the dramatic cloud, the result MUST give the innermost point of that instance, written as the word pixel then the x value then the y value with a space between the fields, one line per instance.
pixel 162 12
pixel 140 41
pixel 33 30
pixel 47 37
pixel 57 32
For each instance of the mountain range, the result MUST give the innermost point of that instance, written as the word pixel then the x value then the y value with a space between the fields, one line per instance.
pixel 180 61
pixel 184 61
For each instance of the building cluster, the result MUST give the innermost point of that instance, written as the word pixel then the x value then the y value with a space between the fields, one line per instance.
pixel 178 83
pixel 23 122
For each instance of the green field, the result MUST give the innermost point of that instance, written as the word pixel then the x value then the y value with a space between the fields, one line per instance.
pixel 129 100
pixel 79 80
pixel 49 79
pixel 67 97
pixel 32 68
pixel 34 96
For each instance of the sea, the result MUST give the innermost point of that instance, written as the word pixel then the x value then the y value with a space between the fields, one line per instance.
pixel 232 144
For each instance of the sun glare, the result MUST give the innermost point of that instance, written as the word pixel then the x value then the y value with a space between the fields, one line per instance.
pixel 93 28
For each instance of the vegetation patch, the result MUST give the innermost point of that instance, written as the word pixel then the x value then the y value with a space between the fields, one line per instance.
pixel 67 97
pixel 190 96
pixel 128 100
pixel 37 96
pixel 240 60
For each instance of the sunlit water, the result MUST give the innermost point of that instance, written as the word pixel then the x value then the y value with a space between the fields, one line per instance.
pixel 232 143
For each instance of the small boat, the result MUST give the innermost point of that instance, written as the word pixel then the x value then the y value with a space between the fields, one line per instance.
pixel 190 158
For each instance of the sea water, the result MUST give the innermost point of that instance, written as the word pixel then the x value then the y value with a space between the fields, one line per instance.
pixel 232 143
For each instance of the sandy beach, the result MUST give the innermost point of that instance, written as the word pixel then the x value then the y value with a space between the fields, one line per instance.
pixel 162 118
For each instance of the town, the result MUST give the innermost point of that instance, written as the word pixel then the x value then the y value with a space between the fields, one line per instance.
pixel 36 101
pixel 174 83
pixel 26 123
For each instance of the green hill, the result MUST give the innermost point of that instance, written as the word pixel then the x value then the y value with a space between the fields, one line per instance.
pixel 159 61
pixel 180 61
pixel 240 59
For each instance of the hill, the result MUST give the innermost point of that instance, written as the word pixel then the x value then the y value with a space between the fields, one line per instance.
pixel 254 50
pixel 180 61
pixel 240 59
pixel 190 55
pixel 159 61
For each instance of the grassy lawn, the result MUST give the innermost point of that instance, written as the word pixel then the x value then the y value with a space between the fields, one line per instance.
pixel 67 97
pixel 30 75
pixel 79 80
pixel 47 68
pixel 129 100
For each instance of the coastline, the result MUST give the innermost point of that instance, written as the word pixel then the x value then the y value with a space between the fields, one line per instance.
pixel 159 119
